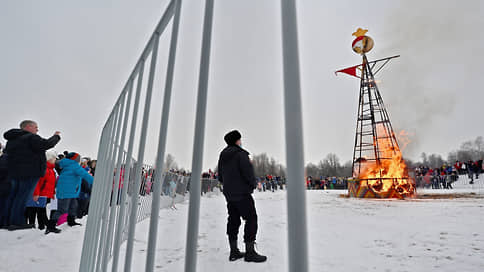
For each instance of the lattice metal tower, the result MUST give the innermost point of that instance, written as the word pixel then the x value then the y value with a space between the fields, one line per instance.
pixel 373 126
pixel 378 167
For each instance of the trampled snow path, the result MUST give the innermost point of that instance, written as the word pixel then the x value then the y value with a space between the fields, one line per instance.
pixel 344 235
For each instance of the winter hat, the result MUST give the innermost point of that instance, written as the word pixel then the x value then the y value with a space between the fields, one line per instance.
pixel 232 137
pixel 49 155
pixel 74 156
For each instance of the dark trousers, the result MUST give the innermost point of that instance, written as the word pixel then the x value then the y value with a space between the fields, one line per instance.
pixel 40 213
pixel 21 190
pixel 83 207
pixel 244 208
pixel 67 205
pixel 4 210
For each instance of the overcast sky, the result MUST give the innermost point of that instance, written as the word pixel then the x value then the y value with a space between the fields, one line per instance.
pixel 63 63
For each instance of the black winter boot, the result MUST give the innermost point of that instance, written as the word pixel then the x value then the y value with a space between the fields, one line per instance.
pixel 251 255
pixel 30 213
pixel 71 221
pixel 235 253
pixel 51 227
pixel 42 218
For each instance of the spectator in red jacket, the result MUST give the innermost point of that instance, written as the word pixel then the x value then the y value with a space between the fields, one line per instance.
pixel 44 191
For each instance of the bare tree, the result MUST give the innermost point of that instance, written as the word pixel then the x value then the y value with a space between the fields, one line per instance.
pixel 468 150
pixel 265 165
pixel 312 170
pixel 435 160
pixel 329 167
pixel 170 162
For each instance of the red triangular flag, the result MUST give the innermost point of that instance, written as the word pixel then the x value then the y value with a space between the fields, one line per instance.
pixel 350 71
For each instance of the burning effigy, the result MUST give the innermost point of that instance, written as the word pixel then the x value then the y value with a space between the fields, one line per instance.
pixel 379 170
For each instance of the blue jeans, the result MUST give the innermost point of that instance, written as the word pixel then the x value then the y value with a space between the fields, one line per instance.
pixel 22 190
pixel 66 205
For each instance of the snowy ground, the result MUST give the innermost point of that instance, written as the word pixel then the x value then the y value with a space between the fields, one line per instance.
pixel 344 235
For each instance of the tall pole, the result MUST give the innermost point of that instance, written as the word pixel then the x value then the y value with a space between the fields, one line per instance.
pixel 87 246
pixel 296 194
pixel 155 205
pixel 129 160
pixel 194 204
pixel 117 179
pixel 98 211
pixel 108 185
pixel 141 154
pixel 112 210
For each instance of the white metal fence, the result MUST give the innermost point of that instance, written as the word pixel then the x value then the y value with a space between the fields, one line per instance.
pixel 109 224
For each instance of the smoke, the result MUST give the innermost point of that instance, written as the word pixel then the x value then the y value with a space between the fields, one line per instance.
pixel 441 51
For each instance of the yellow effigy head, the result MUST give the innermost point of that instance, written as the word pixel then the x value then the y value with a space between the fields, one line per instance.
pixel 362 44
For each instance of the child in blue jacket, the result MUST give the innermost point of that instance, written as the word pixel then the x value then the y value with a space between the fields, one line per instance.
pixel 68 189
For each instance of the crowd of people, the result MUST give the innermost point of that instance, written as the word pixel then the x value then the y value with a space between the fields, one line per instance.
pixel 270 183
pixel 444 176
pixel 265 183
pixel 32 176
pixel 326 183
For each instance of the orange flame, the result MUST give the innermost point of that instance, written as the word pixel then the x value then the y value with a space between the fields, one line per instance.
pixel 403 138
pixel 390 173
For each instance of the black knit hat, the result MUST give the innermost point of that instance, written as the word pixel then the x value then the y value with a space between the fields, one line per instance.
pixel 232 137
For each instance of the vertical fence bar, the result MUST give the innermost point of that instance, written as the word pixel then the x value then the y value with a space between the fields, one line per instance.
pixel 296 194
pixel 88 235
pixel 198 142
pixel 155 206
pixel 112 210
pixel 141 152
pixel 108 178
pixel 99 191
pixel 108 186
pixel 129 160
pixel 95 209
pixel 119 166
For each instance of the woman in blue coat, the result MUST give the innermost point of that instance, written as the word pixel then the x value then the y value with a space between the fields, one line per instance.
pixel 68 189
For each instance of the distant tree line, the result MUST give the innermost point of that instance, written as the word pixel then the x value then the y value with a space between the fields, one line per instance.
pixel 265 165
pixel 331 166
pixel 471 150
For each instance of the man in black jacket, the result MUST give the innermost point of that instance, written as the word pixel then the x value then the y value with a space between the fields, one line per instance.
pixel 236 173
pixel 26 164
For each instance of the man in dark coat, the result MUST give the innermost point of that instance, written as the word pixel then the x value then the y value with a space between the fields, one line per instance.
pixel 236 173
pixel 26 164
